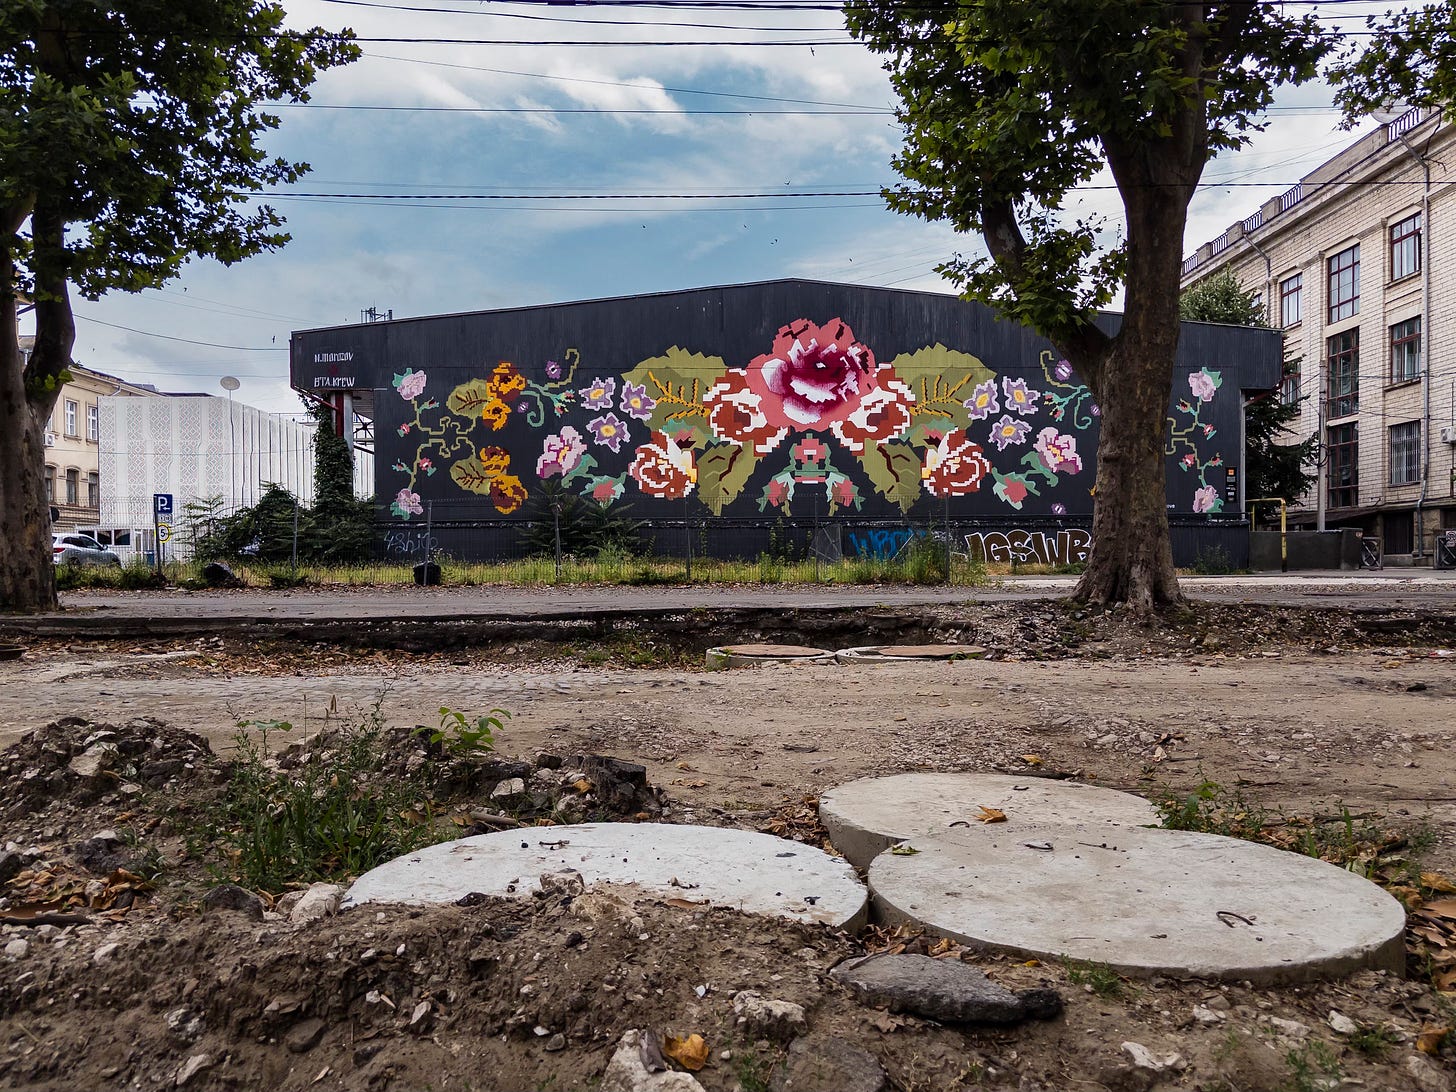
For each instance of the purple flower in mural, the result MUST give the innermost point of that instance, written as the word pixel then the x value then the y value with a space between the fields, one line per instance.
pixel 407 503
pixel 1063 371
pixel 1096 410
pixel 609 430
pixel 599 394
pixel 1008 431
pixel 1018 397
pixel 561 453
pixel 1204 384
pixel 1059 509
pixel 410 385
pixel 553 369
pixel 1058 452
pixel 635 402
pixel 1206 499
pixel 982 402
pixel 522 406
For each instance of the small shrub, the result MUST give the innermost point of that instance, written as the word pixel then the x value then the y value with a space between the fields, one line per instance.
pixel 139 575
pixel 1103 980
pixel 285 576
pixel 1213 561
pixel 460 736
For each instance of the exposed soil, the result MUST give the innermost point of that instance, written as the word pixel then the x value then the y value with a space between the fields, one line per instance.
pixel 1304 712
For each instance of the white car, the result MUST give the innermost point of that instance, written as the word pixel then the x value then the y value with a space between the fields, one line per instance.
pixel 74 549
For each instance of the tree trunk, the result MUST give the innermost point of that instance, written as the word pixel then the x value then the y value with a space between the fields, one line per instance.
pixel 1132 557
pixel 27 576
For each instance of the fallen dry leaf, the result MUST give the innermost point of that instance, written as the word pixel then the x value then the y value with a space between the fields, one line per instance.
pixel 1441 908
pixel 1437 882
pixel 686 904
pixel 889 1022
pixel 1431 1037
pixel 1031 760
pixel 1444 980
pixel 991 815
pixel 904 850
pixel 688 1051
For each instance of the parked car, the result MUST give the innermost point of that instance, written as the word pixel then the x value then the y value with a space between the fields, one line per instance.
pixel 76 549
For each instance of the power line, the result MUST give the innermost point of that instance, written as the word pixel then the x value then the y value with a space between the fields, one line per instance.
pixel 188 341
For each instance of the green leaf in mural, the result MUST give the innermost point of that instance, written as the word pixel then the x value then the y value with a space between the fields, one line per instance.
pixel 676 381
pixel 942 379
pixel 723 471
pixel 471 398
pixel 895 470
pixel 471 475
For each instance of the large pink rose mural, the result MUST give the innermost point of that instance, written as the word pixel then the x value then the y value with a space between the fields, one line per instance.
pixel 663 469
pixel 955 466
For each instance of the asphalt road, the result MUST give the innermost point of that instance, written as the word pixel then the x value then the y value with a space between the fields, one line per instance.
pixel 1391 588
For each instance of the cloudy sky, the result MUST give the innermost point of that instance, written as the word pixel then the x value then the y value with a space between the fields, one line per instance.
pixel 460 97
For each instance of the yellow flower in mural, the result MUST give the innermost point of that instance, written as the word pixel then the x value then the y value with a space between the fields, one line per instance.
pixel 494 413
pixel 494 461
pixel 505 381
pixel 507 493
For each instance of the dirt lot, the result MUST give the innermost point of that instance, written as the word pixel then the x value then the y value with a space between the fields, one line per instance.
pixel 1303 712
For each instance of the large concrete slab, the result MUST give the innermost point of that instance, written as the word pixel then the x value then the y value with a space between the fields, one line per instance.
pixel 865 817
pixel 755 655
pixel 1144 901
pixel 757 873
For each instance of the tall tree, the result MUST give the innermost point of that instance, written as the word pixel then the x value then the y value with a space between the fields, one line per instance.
pixel 1271 468
pixel 130 134
pixel 1008 109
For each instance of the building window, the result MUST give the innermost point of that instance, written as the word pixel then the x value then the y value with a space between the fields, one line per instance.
pixel 1290 301
pixel 1344 294
pixel 73 485
pixel 1405 453
pixel 51 484
pixel 70 418
pixel 1405 350
pixel 1344 452
pixel 1256 300
pixel 93 490
pixel 93 423
pixel 1289 385
pixel 1405 247
pixel 1344 368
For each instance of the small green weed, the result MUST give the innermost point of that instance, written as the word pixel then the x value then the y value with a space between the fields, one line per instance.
pixel 754 1070
pixel 460 736
pixel 1212 809
pixel 1104 981
pixel 1371 1040
pixel 331 816
pixel 1313 1067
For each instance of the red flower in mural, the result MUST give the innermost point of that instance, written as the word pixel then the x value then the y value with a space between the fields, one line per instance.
pixel 736 414
pixel 663 469
pixel 955 467
pixel 882 414
pixel 816 377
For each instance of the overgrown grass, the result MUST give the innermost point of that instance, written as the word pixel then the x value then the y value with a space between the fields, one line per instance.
pixel 1313 1067
pixel 924 564
pixel 131 577
pixel 1102 979
pixel 332 816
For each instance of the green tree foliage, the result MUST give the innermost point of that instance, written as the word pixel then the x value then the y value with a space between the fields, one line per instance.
pixel 1009 108
pixel 1410 59
pixel 130 133
pixel 340 526
pixel 586 527
pixel 1271 469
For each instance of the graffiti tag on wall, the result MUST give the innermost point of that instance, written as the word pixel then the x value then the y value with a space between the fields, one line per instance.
pixel 1019 546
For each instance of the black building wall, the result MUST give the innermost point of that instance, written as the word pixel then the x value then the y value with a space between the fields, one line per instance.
pixel 746 403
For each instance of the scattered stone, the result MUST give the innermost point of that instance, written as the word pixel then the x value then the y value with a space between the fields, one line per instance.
pixel 1293 1029
pixel 626 1072
pixel 186 1025
pixel 229 896
pixel 18 948
pixel 1426 1075
pixel 943 990
pixel 1204 1015
pixel 1143 1058
pixel 420 1017
pixel 321 900
pixel 821 1063
pixel 1342 1023
pixel 304 1035
pixel 191 1067
pixel 105 952
pixel 556 1043
pixel 12 863
pixel 94 760
pixel 768 1018
pixel 509 791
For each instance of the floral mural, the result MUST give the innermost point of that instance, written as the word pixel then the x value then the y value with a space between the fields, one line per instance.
pixel 816 422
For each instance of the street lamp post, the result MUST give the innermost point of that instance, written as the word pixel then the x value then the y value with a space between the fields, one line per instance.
pixel 230 384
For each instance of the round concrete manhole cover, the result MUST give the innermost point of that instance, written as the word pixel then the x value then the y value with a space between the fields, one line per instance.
pixel 1143 901
pixel 774 650
pixel 866 817
pixel 933 652
pixel 712 866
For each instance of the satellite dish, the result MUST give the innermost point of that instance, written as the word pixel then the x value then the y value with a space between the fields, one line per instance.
pixel 1390 111
pixel 229 383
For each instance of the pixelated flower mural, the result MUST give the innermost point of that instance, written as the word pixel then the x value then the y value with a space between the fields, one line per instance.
pixel 817 410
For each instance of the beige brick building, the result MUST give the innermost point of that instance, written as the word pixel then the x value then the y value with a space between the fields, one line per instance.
pixel 1357 265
